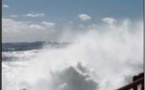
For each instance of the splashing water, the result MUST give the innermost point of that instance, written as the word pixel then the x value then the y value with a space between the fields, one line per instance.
pixel 95 60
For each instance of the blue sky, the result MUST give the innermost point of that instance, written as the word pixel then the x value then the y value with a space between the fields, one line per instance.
pixel 69 9
pixel 49 19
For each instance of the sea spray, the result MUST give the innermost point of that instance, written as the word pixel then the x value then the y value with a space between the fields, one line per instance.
pixel 104 58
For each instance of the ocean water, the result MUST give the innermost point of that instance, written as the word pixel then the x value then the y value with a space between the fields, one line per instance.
pixel 93 60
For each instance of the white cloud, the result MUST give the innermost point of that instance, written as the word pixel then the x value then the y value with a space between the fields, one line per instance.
pixel 20 31
pixel 13 16
pixel 10 25
pixel 36 26
pixel 109 20
pixel 35 15
pixel 5 6
pixel 48 24
pixel 84 17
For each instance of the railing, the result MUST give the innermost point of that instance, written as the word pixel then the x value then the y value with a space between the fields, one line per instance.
pixel 137 80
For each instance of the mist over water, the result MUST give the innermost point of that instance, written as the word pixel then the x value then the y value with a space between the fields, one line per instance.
pixel 105 57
